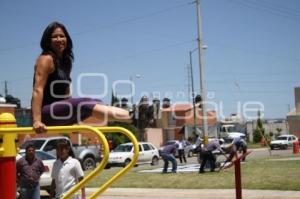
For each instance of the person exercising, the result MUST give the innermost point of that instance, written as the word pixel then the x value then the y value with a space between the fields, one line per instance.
pixel 52 103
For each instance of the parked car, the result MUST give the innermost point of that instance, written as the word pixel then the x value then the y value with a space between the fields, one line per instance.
pixel 87 155
pixel 48 161
pixel 123 153
pixel 236 134
pixel 2 99
pixel 283 142
pixel 188 150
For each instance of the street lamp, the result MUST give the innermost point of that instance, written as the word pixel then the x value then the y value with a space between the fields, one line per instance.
pixel 204 47
pixel 193 91
pixel 131 87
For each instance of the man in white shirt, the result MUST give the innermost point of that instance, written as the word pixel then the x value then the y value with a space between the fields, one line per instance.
pixel 181 151
pixel 66 172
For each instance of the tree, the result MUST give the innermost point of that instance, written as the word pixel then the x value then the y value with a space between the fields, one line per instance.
pixel 13 100
pixel 118 138
pixel 259 132
pixel 278 130
pixel 143 119
pixel 154 113
pixel 114 100
pixel 257 136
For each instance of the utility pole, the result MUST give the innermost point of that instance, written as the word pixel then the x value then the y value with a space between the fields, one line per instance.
pixel 189 82
pixel 5 89
pixel 201 69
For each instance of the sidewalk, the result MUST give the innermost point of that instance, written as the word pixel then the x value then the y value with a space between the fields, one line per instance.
pixel 141 193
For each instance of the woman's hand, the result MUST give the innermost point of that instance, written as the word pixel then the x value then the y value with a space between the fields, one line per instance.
pixel 39 127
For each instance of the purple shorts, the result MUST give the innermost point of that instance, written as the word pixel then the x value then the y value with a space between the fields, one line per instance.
pixel 68 111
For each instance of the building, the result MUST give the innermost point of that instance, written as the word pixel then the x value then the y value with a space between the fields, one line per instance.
pixel 177 116
pixel 276 126
pixel 293 117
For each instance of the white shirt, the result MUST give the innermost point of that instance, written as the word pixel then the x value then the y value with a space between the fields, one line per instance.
pixel 198 141
pixel 181 144
pixel 66 175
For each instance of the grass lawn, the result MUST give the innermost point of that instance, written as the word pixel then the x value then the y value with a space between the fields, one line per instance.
pixel 256 174
pixel 255 146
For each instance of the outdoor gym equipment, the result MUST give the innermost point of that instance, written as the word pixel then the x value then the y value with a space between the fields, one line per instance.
pixel 9 150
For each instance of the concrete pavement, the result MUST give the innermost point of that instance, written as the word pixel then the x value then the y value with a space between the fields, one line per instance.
pixel 141 193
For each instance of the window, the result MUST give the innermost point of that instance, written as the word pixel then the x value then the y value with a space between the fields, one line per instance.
pixel 51 145
pixel 123 148
pixel 152 147
pixel 146 147
pixel 44 156
pixel 37 144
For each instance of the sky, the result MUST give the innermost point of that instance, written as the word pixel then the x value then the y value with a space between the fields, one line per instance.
pixel 252 60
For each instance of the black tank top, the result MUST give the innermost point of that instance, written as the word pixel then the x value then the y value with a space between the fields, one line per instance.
pixel 56 87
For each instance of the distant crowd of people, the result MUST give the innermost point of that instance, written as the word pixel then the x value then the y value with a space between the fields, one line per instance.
pixel 205 153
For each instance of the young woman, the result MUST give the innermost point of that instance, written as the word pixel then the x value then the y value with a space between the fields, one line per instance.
pixel 51 100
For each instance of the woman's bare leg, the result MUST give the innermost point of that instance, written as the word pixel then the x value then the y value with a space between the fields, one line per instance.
pixel 111 113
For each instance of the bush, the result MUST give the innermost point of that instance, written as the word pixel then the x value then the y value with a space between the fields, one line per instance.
pixel 257 136
pixel 118 138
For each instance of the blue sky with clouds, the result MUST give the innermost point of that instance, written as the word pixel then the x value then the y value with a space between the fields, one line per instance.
pixel 253 48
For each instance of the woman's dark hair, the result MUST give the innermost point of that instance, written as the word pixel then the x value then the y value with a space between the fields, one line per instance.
pixel 68 56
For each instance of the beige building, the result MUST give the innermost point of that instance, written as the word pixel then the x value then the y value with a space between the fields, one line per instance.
pixel 293 117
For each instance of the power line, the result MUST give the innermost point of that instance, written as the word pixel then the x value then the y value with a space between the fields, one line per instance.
pixel 129 20
pixel 250 91
pixel 133 19
pixel 144 52
pixel 255 81
pixel 31 44
pixel 282 8
pixel 266 9
pixel 248 51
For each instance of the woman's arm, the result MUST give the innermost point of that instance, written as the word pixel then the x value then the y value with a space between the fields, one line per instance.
pixel 43 68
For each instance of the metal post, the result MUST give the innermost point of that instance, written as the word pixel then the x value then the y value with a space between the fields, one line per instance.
pixel 131 90
pixel 131 87
pixel 201 69
pixel 238 179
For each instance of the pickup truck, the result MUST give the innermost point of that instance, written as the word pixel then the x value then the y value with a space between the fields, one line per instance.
pixel 87 155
